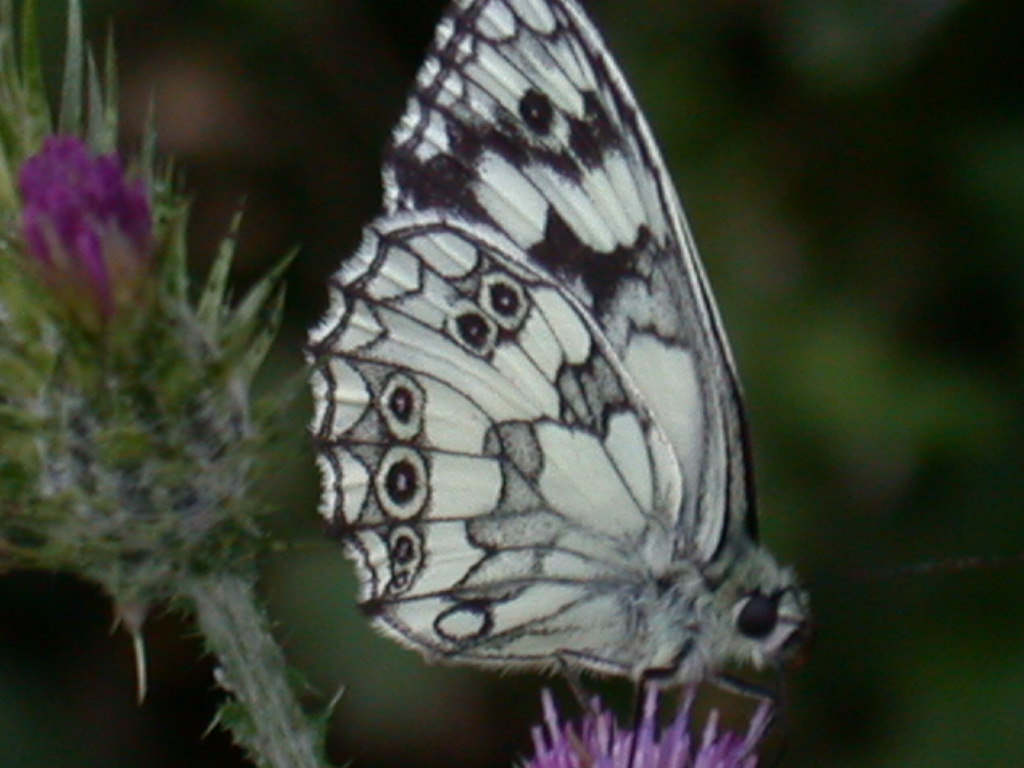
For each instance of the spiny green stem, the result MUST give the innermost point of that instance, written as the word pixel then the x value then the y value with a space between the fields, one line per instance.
pixel 270 724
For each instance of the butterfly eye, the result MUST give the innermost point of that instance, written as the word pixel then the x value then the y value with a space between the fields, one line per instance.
pixel 758 616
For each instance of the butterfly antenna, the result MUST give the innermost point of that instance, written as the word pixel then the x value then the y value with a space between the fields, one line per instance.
pixel 951 565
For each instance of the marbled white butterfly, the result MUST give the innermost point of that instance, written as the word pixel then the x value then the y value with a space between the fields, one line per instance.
pixel 529 426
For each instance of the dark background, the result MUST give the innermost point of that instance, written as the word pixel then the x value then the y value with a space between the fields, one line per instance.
pixel 854 174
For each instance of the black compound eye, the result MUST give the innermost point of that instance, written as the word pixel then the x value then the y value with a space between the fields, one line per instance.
pixel 758 616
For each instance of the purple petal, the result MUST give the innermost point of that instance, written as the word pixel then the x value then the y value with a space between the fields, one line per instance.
pixel 597 741
pixel 83 220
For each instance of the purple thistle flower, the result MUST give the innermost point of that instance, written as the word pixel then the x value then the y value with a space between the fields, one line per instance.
pixel 599 742
pixel 88 226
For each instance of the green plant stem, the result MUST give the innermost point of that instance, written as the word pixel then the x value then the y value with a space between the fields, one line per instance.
pixel 264 717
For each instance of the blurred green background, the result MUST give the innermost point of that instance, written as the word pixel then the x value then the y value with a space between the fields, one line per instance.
pixel 854 174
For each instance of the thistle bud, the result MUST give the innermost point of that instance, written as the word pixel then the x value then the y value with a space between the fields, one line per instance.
pixel 126 417
pixel 87 225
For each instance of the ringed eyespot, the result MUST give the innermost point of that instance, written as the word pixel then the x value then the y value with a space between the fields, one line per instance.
pixel 473 329
pixel 401 482
pixel 405 554
pixel 401 404
pixel 465 621
pixel 504 300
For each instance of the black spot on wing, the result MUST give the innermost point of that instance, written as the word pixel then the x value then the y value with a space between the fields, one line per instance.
pixel 505 300
pixel 405 557
pixel 401 404
pixel 470 140
pixel 624 112
pixel 473 329
pixel 536 111
pixel 401 481
pixel 563 253
pixel 443 181
pixel 593 135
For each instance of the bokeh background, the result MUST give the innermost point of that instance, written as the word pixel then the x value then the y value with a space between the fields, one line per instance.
pixel 854 174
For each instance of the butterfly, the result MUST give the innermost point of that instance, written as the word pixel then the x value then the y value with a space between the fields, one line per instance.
pixel 528 422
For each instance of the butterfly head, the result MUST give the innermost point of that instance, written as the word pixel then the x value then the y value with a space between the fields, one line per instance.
pixel 762 613
pixel 746 611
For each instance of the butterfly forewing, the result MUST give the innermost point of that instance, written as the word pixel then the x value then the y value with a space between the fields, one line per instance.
pixel 530 429
pixel 521 121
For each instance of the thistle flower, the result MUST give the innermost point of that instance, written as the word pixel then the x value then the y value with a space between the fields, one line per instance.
pixel 89 227
pixel 129 439
pixel 127 423
pixel 598 741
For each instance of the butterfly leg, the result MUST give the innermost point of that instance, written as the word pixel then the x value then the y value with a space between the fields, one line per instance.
pixel 776 699
pixel 746 689
pixel 572 677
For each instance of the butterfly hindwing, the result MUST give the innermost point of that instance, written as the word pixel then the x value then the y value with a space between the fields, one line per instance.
pixel 471 419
